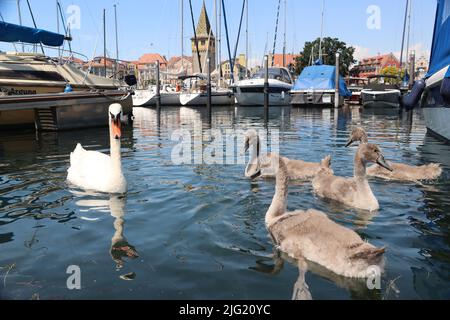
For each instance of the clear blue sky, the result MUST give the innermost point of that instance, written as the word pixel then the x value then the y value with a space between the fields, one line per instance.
pixel 154 25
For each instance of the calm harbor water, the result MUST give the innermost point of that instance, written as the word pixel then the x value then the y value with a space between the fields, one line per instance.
pixel 197 231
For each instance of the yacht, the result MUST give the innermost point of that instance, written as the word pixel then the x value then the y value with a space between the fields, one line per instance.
pixel 45 93
pixel 250 92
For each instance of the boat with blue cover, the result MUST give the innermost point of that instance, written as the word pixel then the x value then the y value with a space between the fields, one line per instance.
pixel 436 99
pixel 433 92
pixel 316 86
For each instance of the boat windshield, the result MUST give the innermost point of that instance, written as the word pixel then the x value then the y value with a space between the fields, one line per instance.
pixel 274 73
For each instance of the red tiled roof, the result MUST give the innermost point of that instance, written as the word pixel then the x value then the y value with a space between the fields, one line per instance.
pixel 278 59
pixel 74 59
pixel 150 58
pixel 175 59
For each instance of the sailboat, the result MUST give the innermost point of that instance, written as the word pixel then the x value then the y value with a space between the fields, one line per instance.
pixel 195 91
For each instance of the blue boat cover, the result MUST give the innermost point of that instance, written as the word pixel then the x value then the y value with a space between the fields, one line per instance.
pixel 440 52
pixel 321 77
pixel 13 33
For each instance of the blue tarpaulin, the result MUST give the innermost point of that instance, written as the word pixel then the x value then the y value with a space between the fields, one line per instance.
pixel 321 77
pixel 440 52
pixel 14 33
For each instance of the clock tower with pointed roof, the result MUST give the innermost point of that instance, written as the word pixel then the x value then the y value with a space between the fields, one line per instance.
pixel 206 43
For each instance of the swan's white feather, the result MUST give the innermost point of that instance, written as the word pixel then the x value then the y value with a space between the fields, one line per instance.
pixel 92 170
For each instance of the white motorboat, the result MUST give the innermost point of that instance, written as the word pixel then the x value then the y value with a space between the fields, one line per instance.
pixel 250 92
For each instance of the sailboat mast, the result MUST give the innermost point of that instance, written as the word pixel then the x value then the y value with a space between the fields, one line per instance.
pixel 408 37
pixel 20 21
pixel 285 29
pixel 219 40
pixel 246 41
pixel 104 41
pixel 57 23
pixel 276 33
pixel 321 30
pixel 404 32
pixel 182 34
pixel 117 43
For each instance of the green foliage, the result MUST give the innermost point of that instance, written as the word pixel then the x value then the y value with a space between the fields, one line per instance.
pixel 330 46
pixel 392 71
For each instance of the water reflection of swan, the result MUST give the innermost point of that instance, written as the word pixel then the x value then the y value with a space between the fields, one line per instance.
pixel 301 291
pixel 120 248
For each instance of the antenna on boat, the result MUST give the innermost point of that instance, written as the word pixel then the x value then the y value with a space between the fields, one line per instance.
pixel 321 30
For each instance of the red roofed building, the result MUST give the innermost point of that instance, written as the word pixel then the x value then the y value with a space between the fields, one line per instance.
pixel 146 68
pixel 178 66
pixel 374 65
pixel 278 60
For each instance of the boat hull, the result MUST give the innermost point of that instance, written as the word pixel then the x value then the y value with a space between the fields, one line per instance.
pixel 436 112
pixel 55 112
pixel 317 98
pixel 251 93
pixel 381 99
pixel 201 99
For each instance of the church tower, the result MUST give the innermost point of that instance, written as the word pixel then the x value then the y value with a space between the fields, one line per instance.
pixel 205 48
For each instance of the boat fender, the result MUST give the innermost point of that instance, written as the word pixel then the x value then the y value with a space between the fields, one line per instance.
pixel 68 88
pixel 409 101
pixel 445 90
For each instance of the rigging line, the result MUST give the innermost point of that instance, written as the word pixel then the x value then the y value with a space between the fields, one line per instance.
pixel 239 31
pixel 64 25
pixel 207 49
pixel 195 37
pixel 276 31
pixel 228 41
pixel 34 23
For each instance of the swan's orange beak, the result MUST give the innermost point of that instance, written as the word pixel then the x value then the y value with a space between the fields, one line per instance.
pixel 117 128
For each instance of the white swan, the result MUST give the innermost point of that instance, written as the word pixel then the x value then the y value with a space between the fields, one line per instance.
pixel 92 170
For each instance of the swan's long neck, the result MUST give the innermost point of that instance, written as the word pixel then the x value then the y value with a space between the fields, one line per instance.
pixel 279 202
pixel 116 157
pixel 360 169
pixel 256 150
pixel 254 157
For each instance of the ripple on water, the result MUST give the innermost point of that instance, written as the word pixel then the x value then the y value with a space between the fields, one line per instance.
pixel 198 231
